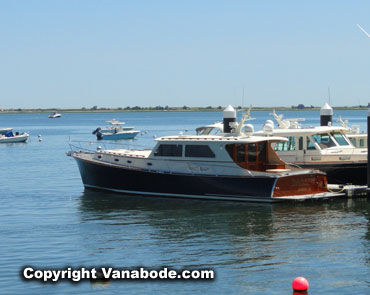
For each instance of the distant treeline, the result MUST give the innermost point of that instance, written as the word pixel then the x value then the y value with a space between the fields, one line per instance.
pixel 171 109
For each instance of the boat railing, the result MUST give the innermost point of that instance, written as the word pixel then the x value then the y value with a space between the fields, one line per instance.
pixel 92 146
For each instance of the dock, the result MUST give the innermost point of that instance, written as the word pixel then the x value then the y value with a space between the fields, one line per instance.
pixel 350 191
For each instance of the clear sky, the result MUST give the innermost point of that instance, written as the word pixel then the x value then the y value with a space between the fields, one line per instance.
pixel 76 53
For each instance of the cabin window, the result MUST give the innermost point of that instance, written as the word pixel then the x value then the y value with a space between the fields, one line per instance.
pixel 300 143
pixel 310 145
pixel 256 152
pixel 362 142
pixel 252 152
pixel 286 145
pixel 169 150
pixel 230 150
pixel 198 151
pixel 252 156
pixel 339 138
pixel 324 140
pixel 240 152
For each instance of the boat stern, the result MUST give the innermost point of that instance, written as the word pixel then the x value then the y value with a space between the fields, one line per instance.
pixel 300 185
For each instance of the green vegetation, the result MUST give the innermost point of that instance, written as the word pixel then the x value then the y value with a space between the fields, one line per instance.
pixel 97 109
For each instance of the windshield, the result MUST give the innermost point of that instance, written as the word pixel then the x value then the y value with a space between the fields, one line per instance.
pixel 324 140
pixel 339 138
pixel 208 131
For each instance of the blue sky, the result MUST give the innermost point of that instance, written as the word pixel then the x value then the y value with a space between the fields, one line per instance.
pixel 72 54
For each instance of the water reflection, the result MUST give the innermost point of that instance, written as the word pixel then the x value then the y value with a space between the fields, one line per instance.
pixel 179 216
pixel 244 242
pixel 238 218
pixel 180 219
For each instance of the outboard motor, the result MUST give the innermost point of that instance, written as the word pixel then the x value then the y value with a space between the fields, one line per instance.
pixel 99 135
pixel 326 115
pixel 96 130
pixel 229 115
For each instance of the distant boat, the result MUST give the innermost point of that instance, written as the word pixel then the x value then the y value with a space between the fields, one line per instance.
pixel 115 132
pixel 115 123
pixel 55 115
pixel 10 137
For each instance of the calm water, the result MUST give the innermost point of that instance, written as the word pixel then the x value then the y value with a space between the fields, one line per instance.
pixel 49 221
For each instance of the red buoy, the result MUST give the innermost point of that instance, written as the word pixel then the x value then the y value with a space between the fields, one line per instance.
pixel 300 284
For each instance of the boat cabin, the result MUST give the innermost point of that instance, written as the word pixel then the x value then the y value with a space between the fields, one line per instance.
pixel 358 140
pixel 250 153
pixel 324 143
pixel 258 156
pixel 312 140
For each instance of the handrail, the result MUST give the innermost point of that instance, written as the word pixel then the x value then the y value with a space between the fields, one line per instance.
pixel 81 145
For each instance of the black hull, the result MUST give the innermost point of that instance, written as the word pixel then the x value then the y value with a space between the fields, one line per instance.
pixel 97 175
pixel 342 173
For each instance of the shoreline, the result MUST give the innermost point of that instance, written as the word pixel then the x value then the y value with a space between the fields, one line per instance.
pixel 175 109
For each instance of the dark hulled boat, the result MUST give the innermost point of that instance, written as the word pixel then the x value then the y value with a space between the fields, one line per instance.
pixel 230 166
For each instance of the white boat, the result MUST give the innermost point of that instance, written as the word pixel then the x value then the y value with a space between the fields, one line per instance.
pixel 358 138
pixel 233 165
pixel 326 148
pixel 54 115
pixel 10 137
pixel 116 124
pixel 116 131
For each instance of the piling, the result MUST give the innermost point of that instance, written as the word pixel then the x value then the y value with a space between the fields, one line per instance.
pixel 229 115
pixel 368 144
pixel 326 115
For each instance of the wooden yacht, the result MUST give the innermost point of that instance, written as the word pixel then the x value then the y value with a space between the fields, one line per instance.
pixel 233 165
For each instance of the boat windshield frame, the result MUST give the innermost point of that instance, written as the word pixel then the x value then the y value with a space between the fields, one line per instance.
pixel 330 140
pixel 208 130
pixel 342 137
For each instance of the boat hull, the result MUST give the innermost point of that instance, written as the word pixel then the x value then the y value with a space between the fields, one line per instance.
pixel 120 135
pixel 96 175
pixel 14 139
pixel 100 175
pixel 342 173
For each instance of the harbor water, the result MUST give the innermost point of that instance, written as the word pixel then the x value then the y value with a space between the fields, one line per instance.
pixel 48 220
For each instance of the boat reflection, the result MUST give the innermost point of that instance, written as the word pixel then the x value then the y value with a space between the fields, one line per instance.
pixel 243 242
pixel 210 218
pixel 175 216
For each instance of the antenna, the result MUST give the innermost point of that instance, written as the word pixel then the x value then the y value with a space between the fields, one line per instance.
pixel 243 99
pixel 329 96
pixel 363 30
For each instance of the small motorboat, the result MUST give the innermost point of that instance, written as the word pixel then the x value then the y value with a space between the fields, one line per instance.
pixel 10 137
pixel 116 131
pixel 55 115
